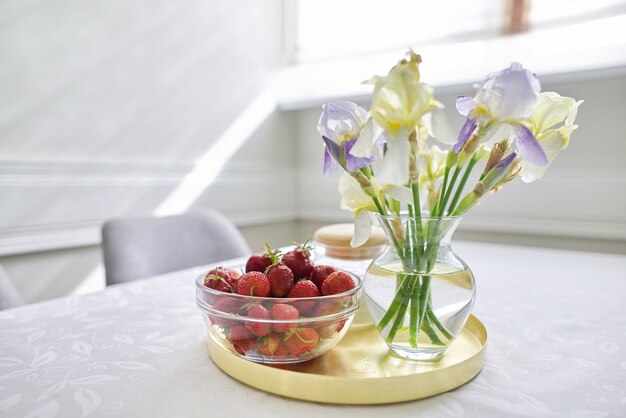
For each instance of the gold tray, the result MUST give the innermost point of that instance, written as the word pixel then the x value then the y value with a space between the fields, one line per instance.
pixel 361 370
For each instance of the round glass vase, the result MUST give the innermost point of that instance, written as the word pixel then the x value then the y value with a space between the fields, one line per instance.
pixel 418 291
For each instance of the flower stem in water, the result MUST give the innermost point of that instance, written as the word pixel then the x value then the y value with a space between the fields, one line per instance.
pixel 433 319
pixel 414 316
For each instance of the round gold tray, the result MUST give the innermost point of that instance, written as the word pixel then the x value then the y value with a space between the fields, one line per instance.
pixel 361 370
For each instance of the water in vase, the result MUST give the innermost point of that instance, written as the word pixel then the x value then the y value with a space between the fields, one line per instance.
pixel 449 299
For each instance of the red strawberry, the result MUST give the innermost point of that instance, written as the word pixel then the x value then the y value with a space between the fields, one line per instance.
pixel 327 308
pixel 301 340
pixel 258 262
pixel 258 328
pixel 299 260
pixel 226 305
pixel 281 279
pixel 253 283
pixel 239 332
pixel 234 274
pixel 229 305
pixel 331 329
pixel 304 289
pixel 218 280
pixel 243 341
pixel 261 261
pixel 230 275
pixel 337 282
pixel 340 325
pixel 284 312
pixel 243 347
pixel 281 352
pixel 319 273
pixel 268 345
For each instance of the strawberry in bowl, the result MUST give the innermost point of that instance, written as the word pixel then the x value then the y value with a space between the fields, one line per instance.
pixel 278 315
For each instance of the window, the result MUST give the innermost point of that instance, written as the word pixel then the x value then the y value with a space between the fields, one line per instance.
pixel 327 29
pixel 551 13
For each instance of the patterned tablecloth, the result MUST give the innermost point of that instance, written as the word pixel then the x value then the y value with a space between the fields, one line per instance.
pixel 557 348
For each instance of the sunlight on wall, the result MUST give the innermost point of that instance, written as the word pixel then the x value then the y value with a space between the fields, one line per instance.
pixel 208 166
pixel 206 170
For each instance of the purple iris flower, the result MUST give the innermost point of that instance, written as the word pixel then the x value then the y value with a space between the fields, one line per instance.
pixel 506 161
pixel 466 131
pixel 498 171
pixel 465 105
pixel 506 98
pixel 340 125
pixel 528 147
pixel 339 155
pixel 509 94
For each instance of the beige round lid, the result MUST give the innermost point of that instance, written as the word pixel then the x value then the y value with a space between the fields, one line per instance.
pixel 340 235
pixel 336 241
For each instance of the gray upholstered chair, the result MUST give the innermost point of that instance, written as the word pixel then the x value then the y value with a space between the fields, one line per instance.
pixel 140 247
pixel 9 297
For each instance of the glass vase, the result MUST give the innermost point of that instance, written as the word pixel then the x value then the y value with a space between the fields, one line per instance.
pixel 418 291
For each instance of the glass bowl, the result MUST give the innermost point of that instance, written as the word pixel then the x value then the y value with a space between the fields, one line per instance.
pixel 246 325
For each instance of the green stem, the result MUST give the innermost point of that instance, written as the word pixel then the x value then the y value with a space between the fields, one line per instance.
pixel 410 237
pixel 383 212
pixel 424 297
pixel 459 189
pixel 415 188
pixel 380 208
pixel 455 176
pixel 403 305
pixel 419 233
pixel 434 338
pixel 416 254
pixel 414 317
pixel 395 303
pixel 442 191
pixel 446 191
pixel 433 318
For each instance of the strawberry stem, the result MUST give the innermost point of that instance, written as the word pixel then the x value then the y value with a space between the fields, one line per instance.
pixel 304 246
pixel 274 255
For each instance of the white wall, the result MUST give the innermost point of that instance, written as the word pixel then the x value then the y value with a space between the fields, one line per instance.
pixel 104 108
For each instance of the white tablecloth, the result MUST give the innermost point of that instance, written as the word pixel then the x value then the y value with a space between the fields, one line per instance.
pixel 557 347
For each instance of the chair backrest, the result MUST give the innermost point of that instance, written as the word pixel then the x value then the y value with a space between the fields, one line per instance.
pixel 140 247
pixel 9 297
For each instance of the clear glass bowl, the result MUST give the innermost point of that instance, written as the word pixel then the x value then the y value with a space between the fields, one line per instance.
pixel 321 323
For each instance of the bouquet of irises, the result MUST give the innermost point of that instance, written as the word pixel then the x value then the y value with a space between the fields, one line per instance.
pixel 403 157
